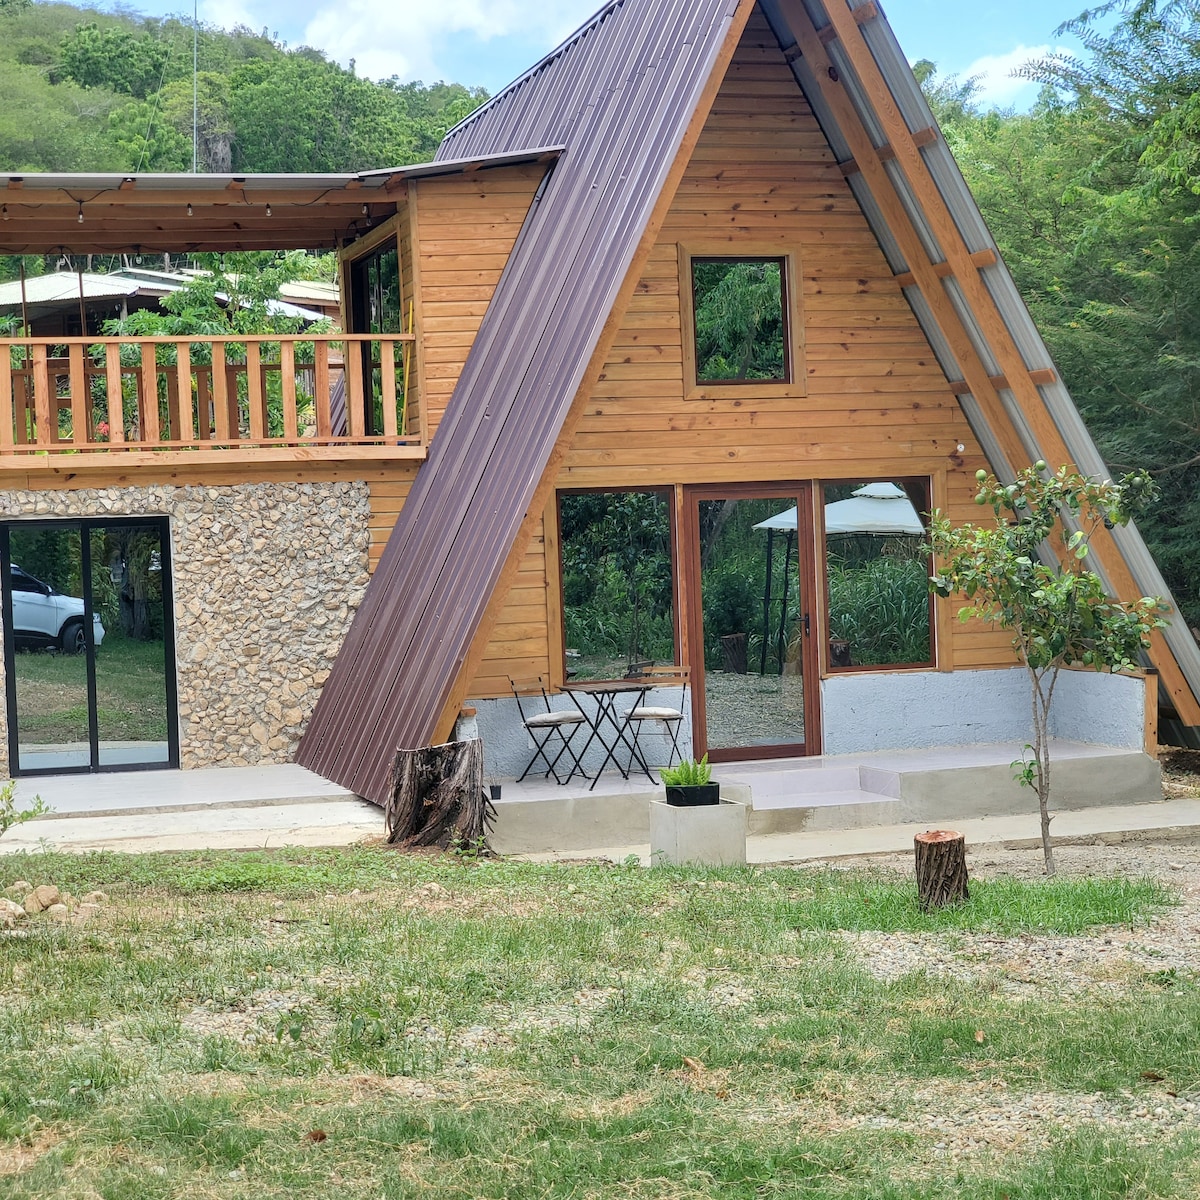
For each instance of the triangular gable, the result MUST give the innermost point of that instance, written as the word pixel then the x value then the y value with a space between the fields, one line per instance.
pixel 621 96
pixel 626 96
pixel 871 108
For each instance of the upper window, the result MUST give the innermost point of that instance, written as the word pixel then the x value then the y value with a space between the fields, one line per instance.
pixel 739 307
pixel 742 328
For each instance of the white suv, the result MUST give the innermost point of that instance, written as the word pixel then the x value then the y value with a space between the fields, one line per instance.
pixel 44 617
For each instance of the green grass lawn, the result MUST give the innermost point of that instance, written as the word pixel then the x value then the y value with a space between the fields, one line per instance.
pixel 357 1023
pixel 130 693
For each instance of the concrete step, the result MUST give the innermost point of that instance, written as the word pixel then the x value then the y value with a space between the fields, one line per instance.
pixel 849 808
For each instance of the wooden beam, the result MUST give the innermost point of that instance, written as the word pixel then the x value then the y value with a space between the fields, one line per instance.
pixel 1001 383
pixel 886 152
pixel 981 259
pixel 862 14
pixel 988 317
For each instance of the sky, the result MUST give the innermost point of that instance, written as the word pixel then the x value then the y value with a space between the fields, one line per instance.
pixel 489 42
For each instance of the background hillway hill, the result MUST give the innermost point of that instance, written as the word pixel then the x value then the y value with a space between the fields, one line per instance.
pixel 1093 195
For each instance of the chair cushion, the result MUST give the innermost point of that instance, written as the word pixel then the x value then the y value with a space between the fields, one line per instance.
pixel 554 718
pixel 647 713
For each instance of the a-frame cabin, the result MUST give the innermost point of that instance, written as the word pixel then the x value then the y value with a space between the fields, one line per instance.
pixel 685 132
pixel 389 521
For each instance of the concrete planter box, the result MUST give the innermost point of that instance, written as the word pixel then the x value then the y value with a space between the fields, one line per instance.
pixel 710 835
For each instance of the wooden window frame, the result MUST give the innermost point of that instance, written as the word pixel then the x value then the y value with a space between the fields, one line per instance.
pixel 793 324
pixel 828 669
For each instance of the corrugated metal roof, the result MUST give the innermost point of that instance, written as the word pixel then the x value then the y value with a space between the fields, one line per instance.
pixel 619 96
pixel 62 285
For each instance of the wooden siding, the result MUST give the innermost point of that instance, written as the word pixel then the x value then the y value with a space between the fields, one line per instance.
pixel 524 640
pixel 465 228
pixel 877 402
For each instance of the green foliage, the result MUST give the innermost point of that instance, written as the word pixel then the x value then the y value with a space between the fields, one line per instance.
pixel 687 773
pixel 11 815
pixel 739 319
pixel 87 90
pixel 114 58
pixel 617 583
pixel 881 607
pixel 1058 611
pixel 1092 198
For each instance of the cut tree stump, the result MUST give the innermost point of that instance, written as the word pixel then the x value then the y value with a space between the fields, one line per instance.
pixel 941 860
pixel 437 797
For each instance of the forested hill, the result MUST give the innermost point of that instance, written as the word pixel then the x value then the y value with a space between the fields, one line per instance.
pixel 85 90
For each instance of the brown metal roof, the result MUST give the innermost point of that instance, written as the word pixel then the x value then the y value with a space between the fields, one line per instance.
pixel 619 95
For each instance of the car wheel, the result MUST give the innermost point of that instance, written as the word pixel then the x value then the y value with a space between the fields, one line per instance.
pixel 72 639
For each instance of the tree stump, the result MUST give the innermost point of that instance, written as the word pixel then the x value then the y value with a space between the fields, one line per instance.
pixel 437 797
pixel 941 860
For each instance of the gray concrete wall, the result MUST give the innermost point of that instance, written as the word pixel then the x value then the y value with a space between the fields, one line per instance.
pixel 911 710
pixel 1105 710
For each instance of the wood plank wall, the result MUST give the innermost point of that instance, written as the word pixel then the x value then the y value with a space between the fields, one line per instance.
pixel 762 180
pixel 466 227
pixel 465 230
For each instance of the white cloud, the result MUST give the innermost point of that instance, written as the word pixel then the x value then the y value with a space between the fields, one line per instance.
pixel 997 84
pixel 410 38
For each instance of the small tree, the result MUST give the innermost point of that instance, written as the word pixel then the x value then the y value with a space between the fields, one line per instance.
pixel 1059 615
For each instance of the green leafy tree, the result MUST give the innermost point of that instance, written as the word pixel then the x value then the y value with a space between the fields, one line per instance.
pixel 115 58
pixel 1058 611
pixel 739 319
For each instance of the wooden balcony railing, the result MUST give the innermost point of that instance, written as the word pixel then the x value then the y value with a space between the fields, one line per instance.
pixel 318 395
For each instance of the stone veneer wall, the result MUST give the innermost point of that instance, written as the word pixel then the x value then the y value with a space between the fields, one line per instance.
pixel 266 579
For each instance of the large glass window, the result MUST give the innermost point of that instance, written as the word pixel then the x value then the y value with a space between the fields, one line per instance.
pixel 739 308
pixel 617 581
pixel 877 573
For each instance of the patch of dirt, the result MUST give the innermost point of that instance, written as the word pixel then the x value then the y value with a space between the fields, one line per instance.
pixel 20 1157
pixel 1180 772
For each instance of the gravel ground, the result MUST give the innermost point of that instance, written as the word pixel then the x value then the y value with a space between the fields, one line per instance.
pixel 979 1117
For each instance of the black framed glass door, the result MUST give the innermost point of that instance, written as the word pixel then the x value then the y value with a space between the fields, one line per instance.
pixel 89 645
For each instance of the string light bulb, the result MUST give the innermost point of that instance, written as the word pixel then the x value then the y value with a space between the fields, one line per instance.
pixel 189 210
pixel 4 211
pixel 268 210
pixel 80 218
pixel 366 211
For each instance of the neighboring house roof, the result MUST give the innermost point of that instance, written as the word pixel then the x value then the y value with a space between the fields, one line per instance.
pixel 46 293
pixel 621 94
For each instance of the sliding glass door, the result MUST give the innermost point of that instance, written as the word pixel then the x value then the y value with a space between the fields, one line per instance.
pixel 89 645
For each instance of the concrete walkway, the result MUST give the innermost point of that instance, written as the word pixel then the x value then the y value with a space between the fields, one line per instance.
pixel 252 807
pixel 1165 821
pixel 219 808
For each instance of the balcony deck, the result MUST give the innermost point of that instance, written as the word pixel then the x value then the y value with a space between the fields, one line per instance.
pixel 154 402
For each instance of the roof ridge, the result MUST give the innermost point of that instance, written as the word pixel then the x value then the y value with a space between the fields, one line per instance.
pixel 562 48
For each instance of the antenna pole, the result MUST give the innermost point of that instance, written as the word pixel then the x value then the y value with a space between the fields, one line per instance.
pixel 195 87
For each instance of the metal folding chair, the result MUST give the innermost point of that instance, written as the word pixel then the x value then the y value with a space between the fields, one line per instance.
pixel 671 718
pixel 548 727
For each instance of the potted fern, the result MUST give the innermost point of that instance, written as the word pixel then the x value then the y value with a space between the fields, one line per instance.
pixel 688 783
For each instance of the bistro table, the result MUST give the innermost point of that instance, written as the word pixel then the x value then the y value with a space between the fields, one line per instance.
pixel 607 723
